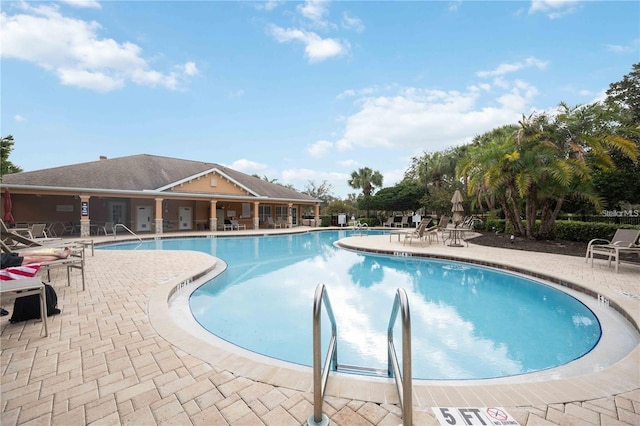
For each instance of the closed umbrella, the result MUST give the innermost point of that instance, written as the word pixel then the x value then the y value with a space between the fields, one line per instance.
pixel 8 206
pixel 457 208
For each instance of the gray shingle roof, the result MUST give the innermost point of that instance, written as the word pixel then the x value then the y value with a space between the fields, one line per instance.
pixel 141 172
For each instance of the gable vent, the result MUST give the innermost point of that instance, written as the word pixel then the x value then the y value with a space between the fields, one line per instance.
pixel 214 181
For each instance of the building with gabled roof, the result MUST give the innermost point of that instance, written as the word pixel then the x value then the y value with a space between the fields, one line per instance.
pixel 149 193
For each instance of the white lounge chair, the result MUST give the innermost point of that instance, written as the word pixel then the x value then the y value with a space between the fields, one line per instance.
pixel 237 225
pixel 26 287
pixel 389 222
pixel 623 241
pixel 404 222
pixel 109 228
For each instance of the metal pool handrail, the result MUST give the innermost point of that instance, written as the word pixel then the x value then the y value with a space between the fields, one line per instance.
pixel 320 376
pixel 115 228
pixel 403 379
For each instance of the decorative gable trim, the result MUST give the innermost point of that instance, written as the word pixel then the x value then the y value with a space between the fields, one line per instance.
pixel 204 173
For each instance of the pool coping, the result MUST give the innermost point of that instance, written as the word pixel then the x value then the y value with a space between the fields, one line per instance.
pixel 615 379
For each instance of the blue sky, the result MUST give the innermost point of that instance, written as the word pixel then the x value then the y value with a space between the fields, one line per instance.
pixel 295 91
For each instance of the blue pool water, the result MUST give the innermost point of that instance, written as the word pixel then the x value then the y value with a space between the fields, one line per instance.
pixel 468 322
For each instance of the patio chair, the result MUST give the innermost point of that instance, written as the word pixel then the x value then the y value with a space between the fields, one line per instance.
pixel 38 232
pixel 389 222
pixel 74 261
pixel 282 223
pixel 109 228
pixel 237 225
pixel 26 287
pixel 431 233
pixel 418 233
pixel 403 222
pixel 623 241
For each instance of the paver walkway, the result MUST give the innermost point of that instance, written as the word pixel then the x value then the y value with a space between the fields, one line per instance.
pixel 104 363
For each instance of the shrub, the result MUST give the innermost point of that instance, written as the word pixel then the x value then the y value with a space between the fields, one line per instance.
pixel 573 230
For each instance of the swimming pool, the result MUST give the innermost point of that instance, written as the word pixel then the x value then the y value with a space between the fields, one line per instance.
pixel 468 322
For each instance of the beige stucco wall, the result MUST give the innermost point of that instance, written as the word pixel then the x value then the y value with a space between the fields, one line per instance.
pixel 204 184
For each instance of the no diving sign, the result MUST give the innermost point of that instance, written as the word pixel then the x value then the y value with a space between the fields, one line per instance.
pixel 474 416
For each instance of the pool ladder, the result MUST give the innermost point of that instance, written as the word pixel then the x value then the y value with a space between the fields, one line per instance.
pixel 115 231
pixel 321 373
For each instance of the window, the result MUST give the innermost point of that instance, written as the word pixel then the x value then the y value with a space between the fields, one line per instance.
pixel 281 213
pixel 264 212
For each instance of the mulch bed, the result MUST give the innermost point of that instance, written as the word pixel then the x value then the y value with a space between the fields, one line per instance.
pixel 569 248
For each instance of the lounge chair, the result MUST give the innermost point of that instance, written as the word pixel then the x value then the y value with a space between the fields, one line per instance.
pixel 404 222
pixel 431 233
pixel 109 228
pixel 26 287
pixel 74 261
pixel 38 232
pixel 237 225
pixel 282 223
pixel 418 233
pixel 623 241
pixel 389 222
pixel 17 241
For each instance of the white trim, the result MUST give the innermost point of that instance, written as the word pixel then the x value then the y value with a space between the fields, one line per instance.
pixel 206 172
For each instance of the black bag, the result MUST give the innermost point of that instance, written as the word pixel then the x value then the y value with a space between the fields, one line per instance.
pixel 28 307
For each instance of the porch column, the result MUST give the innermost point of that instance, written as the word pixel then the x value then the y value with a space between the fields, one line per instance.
pixel 290 216
pixel 158 217
pixel 256 215
pixel 316 214
pixel 213 216
pixel 85 220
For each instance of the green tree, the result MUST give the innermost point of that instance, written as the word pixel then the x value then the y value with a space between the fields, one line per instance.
pixel 6 166
pixel 406 195
pixel 367 180
pixel 619 186
pixel 625 96
pixel 491 166
pixel 568 148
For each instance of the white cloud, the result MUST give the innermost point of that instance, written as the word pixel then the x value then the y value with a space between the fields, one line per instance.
pixel 317 49
pixel 454 5
pixel 503 69
pixel 314 10
pixel 554 9
pixel 319 149
pixel 268 5
pixel 300 177
pixel 622 49
pixel 190 69
pixel 86 4
pixel 352 23
pixel 73 50
pixel 248 166
pixel 19 118
pixel 347 163
pixel 237 94
pixel 416 119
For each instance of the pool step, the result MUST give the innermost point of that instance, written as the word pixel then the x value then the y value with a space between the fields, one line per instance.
pixel 346 368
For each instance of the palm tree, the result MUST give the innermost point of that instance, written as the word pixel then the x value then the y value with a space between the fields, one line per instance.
pixel 559 155
pixel 367 180
pixel 490 167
